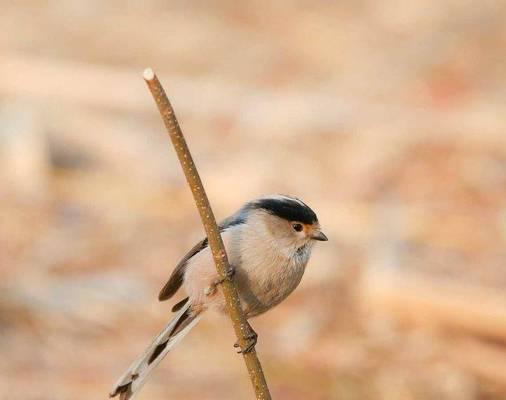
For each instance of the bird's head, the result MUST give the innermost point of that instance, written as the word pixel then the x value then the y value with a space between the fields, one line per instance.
pixel 289 219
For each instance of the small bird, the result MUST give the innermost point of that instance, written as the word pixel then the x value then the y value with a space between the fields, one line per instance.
pixel 268 243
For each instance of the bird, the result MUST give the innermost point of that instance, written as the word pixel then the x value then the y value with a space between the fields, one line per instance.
pixel 268 242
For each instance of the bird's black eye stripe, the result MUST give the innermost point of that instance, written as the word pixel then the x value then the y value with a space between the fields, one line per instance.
pixel 297 227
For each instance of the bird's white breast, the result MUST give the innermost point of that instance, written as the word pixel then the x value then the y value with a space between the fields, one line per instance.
pixel 266 272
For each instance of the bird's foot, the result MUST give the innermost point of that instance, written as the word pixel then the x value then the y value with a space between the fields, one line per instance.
pixel 251 340
pixel 229 274
pixel 211 289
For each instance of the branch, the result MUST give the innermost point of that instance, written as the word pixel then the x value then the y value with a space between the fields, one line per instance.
pixel 213 234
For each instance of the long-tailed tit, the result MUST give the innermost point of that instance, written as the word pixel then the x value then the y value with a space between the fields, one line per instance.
pixel 268 243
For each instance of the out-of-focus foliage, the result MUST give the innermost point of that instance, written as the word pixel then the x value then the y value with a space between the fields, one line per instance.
pixel 386 117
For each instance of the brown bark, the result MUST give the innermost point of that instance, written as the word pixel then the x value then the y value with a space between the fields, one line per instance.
pixel 215 241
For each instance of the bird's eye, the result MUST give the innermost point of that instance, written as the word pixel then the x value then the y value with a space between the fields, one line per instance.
pixel 297 227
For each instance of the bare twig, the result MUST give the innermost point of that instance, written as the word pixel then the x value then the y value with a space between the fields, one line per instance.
pixel 215 242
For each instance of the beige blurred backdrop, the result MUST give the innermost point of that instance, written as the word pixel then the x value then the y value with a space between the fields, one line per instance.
pixel 386 117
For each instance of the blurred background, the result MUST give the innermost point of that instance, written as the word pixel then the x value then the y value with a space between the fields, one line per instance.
pixel 386 117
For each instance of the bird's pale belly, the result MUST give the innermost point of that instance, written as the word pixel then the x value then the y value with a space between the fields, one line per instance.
pixel 262 283
pixel 268 291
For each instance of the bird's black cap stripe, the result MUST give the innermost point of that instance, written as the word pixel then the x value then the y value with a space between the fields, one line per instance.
pixel 287 208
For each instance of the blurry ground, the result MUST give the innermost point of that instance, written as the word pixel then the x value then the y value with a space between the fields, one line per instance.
pixel 386 117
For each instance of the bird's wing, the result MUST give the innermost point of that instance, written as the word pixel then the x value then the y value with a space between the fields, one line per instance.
pixel 176 278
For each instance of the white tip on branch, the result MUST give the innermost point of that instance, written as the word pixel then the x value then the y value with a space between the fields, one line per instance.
pixel 148 74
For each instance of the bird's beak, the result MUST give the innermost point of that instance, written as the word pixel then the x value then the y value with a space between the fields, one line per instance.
pixel 319 235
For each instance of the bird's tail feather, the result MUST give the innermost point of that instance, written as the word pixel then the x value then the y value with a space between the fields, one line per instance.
pixel 134 378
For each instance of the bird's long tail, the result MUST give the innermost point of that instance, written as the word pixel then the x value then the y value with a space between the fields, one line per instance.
pixel 134 378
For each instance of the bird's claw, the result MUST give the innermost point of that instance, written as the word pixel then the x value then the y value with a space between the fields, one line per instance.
pixel 229 274
pixel 251 341
pixel 211 289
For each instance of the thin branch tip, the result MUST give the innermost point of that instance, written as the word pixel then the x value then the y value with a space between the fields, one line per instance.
pixel 214 238
pixel 148 74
